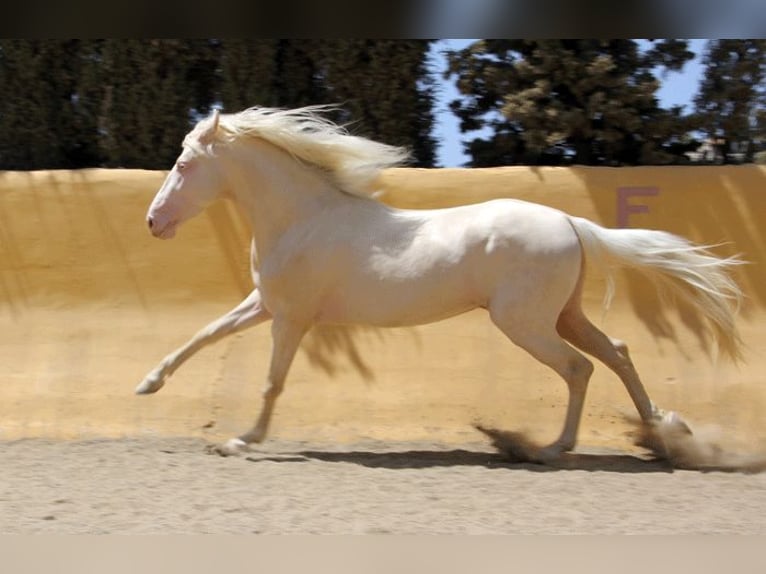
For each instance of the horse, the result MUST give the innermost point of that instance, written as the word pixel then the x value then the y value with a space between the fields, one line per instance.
pixel 326 251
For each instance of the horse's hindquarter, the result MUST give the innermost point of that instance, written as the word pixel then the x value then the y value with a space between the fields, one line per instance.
pixel 390 267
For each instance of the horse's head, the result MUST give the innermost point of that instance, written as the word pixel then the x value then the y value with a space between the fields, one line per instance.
pixel 193 183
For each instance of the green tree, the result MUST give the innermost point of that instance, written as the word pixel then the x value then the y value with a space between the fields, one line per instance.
pixel 383 86
pixel 731 103
pixel 129 103
pixel 44 123
pixel 588 102
pixel 271 73
pixel 386 89
pixel 247 73
pixel 151 91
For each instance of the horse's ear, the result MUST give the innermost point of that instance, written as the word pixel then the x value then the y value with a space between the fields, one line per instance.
pixel 209 134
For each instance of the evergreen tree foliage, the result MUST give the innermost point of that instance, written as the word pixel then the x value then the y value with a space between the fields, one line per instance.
pixel 44 119
pixel 150 91
pixel 389 96
pixel 383 87
pixel 586 102
pixel 128 103
pixel 731 102
pixel 271 73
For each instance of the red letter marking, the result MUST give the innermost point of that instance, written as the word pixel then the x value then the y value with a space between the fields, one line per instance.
pixel 624 209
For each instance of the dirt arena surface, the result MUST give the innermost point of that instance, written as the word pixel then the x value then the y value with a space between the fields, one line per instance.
pixel 374 433
pixel 170 486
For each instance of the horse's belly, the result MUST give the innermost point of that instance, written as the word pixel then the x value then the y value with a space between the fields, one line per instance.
pixel 392 305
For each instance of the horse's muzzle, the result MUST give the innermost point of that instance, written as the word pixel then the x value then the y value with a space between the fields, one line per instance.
pixel 160 230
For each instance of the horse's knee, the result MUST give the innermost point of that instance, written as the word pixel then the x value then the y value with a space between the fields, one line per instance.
pixel 272 391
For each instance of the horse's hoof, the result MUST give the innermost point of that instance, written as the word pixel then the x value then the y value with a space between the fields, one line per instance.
pixel 151 384
pixel 673 420
pixel 548 454
pixel 232 447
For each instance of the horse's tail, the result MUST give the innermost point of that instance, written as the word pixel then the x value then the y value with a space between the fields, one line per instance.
pixel 691 272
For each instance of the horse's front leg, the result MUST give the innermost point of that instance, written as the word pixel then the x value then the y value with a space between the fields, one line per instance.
pixel 248 313
pixel 286 335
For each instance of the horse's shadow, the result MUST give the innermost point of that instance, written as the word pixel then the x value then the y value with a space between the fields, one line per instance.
pixel 514 451
pixel 423 459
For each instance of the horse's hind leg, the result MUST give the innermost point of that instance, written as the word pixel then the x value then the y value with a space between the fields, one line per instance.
pixel 248 313
pixel 658 426
pixel 539 338
pixel 576 328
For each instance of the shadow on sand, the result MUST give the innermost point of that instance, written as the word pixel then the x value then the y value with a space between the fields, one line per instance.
pixel 670 446
pixel 423 459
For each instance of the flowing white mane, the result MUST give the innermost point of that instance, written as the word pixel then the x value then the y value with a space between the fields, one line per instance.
pixel 352 161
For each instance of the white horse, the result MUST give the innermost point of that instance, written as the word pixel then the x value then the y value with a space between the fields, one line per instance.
pixel 325 251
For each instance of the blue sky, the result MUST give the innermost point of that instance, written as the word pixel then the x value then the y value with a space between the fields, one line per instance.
pixel 678 88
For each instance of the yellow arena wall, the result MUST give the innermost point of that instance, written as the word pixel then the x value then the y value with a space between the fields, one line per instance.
pixel 90 302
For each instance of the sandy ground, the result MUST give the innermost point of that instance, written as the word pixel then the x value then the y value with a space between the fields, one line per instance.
pixel 168 486
pixel 374 433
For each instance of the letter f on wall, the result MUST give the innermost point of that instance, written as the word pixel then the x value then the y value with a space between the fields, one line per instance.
pixel 625 208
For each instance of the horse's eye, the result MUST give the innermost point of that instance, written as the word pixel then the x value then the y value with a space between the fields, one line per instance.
pixel 181 165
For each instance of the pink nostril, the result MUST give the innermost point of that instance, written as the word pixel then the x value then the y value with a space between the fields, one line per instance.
pixel 150 221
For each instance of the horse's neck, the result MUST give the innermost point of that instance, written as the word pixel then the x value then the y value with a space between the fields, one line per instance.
pixel 277 193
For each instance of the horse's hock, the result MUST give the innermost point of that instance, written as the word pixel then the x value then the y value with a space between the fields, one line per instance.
pixel 90 302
